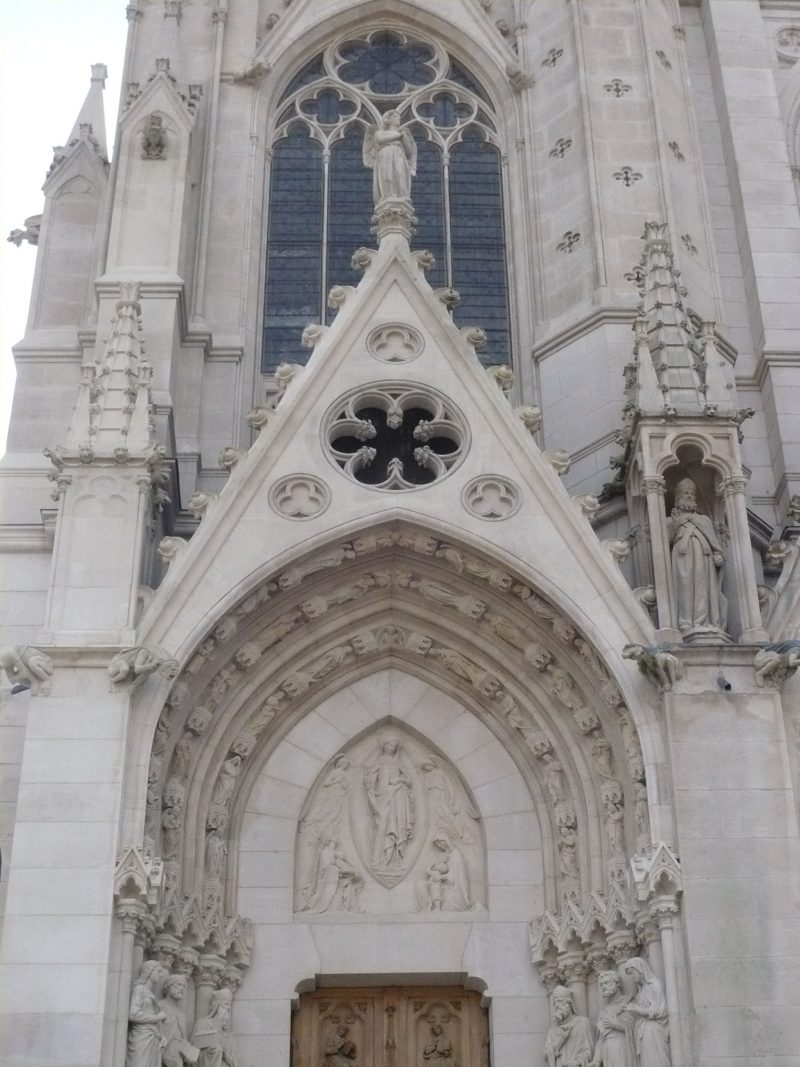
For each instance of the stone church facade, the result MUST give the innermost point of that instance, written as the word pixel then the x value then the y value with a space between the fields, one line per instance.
pixel 401 545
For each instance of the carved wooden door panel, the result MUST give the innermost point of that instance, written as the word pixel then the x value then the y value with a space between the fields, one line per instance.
pixel 390 1027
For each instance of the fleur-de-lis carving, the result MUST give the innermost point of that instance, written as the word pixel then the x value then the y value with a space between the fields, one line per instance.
pixel 662 58
pixel 688 244
pixel 552 57
pixel 568 241
pixel 675 148
pixel 617 87
pixel 560 147
pixel 627 175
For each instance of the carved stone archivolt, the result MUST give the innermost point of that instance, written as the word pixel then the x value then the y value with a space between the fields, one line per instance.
pixel 389 827
pixel 462 619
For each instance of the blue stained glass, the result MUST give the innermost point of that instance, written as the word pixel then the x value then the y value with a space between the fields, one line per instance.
pixel 350 207
pixel 386 64
pixel 311 72
pixel 294 248
pixel 445 110
pixel 428 194
pixel 478 244
pixel 461 76
pixel 328 107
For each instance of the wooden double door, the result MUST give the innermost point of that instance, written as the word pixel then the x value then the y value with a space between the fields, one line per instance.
pixel 420 1026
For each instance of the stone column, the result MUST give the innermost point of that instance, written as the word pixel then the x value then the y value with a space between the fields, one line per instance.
pixel 131 914
pixel 575 972
pixel 208 977
pixel 665 911
pixel 740 567
pixel 654 487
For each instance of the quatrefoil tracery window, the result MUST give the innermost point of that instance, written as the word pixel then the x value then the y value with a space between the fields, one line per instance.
pixel 395 436
pixel 321 193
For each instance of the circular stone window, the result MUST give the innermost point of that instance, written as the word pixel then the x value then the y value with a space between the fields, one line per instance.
pixel 395 436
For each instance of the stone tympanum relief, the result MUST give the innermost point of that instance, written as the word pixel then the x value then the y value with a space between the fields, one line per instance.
pixel 697 560
pixel 389 828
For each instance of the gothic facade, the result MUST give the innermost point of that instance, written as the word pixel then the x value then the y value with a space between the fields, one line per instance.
pixel 401 545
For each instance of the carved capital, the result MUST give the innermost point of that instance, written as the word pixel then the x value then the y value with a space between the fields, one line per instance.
pixel 573 967
pixel 185 961
pixel 665 909
pixel 131 915
pixel 210 971
pixel 737 483
pixel 654 484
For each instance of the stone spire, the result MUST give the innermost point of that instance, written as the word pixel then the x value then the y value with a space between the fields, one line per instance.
pixel 91 116
pixel 90 125
pixel 677 369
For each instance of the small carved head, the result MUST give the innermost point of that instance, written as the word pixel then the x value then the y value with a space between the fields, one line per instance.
pixel 175 987
pixel 391 120
pixel 686 495
pixel 610 984
pixel 561 1001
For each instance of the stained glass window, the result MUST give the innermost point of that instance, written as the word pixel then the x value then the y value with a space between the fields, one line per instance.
pixel 320 202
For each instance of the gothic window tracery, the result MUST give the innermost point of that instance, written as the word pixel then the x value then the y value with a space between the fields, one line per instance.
pixel 320 203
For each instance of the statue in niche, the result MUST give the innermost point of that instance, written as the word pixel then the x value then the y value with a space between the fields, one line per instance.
pixel 568 849
pixel 212 1034
pixel 614 815
pixel 326 813
pixel 176 1050
pixel 446 813
pixel 224 786
pixel 615 1044
pixel 392 155
pixel 340 1051
pixel 216 851
pixel 439 1051
pixel 154 138
pixel 391 803
pixel 336 884
pixel 145 1017
pixel 445 884
pixel 697 559
pixel 554 779
pixel 570 1040
pixel 651 1021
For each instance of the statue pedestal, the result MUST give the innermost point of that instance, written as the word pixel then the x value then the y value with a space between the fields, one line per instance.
pixel 394 215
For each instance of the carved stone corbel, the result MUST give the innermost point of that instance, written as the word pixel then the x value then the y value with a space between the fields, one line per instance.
pixel 28 667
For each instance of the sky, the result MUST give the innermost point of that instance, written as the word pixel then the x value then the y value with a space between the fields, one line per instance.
pixel 47 48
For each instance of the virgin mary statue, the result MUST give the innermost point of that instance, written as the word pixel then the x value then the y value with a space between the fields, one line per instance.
pixel 392 155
